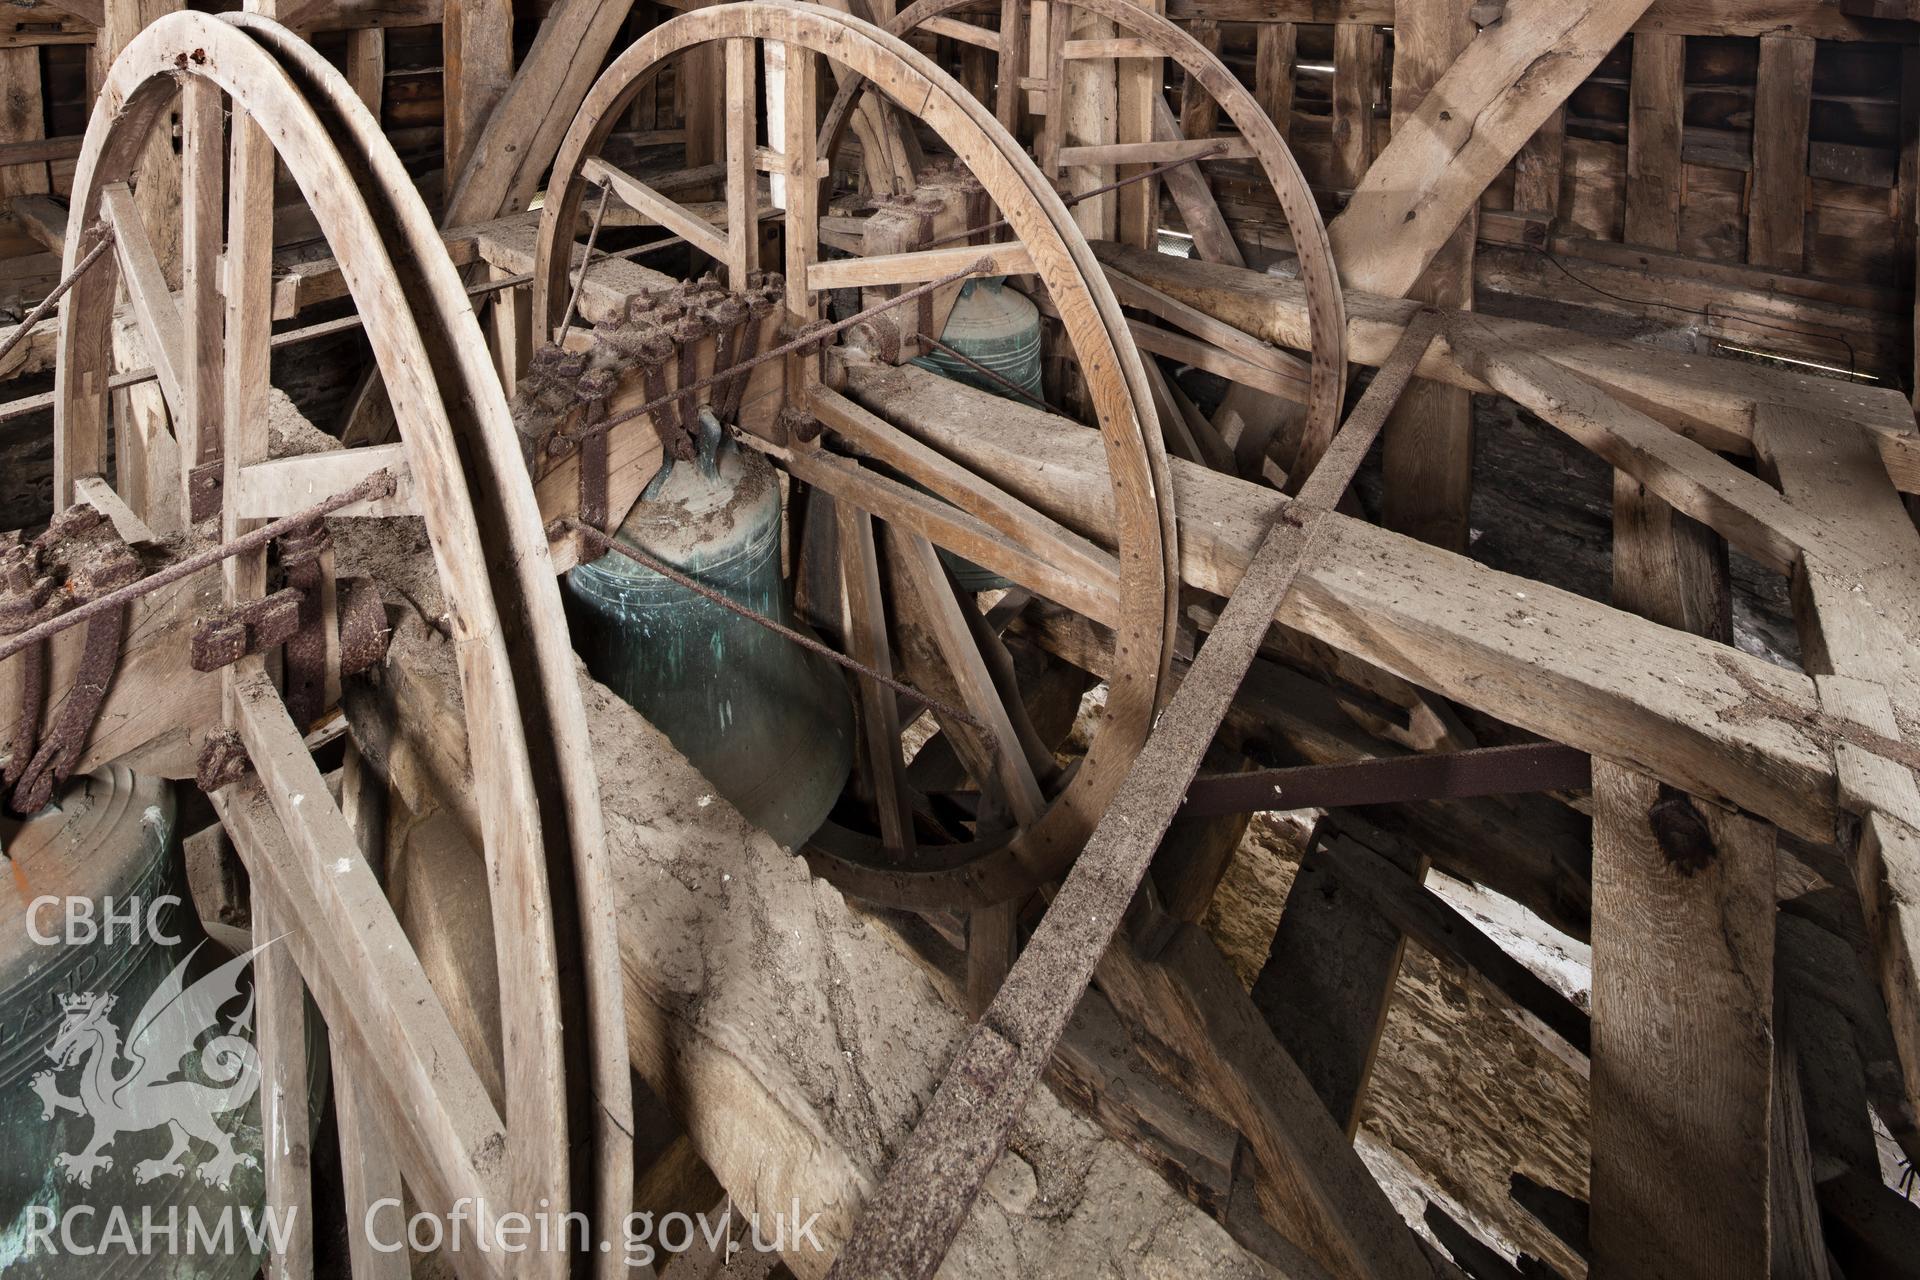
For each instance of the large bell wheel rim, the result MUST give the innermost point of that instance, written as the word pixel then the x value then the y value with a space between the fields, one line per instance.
pixel 1326 311
pixel 531 1156
pixel 990 870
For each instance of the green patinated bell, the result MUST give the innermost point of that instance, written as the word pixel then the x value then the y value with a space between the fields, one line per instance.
pixel 768 723
pixel 993 326
pixel 129 1081
pixel 998 328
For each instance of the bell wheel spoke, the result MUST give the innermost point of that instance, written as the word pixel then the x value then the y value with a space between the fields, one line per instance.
pixel 1071 556
pixel 1006 760
pixel 863 623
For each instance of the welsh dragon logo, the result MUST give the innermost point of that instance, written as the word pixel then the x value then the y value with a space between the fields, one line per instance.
pixel 149 1090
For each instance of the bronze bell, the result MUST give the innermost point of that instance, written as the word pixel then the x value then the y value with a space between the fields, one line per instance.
pixel 769 723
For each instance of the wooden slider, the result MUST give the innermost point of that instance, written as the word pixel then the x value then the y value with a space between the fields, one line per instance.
pixel 1118 47
pixel 1157 152
pixel 920 266
pixel 967 32
pixel 641 198
pixel 282 486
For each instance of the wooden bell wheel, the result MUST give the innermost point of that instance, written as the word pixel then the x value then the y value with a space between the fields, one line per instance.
pixel 896 604
pixel 1150 137
pixel 412 1106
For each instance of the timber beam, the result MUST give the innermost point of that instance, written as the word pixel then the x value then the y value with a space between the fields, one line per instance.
pixel 1713 401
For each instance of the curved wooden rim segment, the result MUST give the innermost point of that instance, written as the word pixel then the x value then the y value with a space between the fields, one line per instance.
pixel 1094 326
pixel 525 1159
pixel 1326 309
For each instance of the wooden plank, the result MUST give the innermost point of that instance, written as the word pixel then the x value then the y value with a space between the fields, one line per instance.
pixel 1274 48
pixel 1683 901
pixel 477 65
pixel 1493 98
pixel 863 622
pixel 966 32
pixel 22 119
pixel 1284 366
pixel 1356 87
pixel 153 304
pixel 367 66
pixel 1668 566
pixel 1631 690
pixel 1714 400
pixel 940 610
pixel 280 1012
pixel 1538 169
pixel 1782 108
pixel 203 169
pixel 641 198
pixel 1152 153
pixel 1426 453
pixel 1819 19
pixel 521 135
pixel 281 486
pixel 1204 355
pixel 369 1172
pixel 743 188
pixel 1328 980
pixel 1658 102
pixel 304 852
pixel 1199 113
pixel 1108 48
pixel 919 266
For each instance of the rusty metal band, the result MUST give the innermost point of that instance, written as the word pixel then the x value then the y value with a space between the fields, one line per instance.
pixel 812 339
pixel 303 558
pixel 380 484
pixel 1447 775
pixel 909 1224
pixel 60 749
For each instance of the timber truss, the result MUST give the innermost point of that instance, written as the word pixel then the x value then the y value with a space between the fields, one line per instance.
pixel 218 605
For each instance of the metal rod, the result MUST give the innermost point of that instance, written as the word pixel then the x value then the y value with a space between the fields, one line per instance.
pixel 977 367
pixel 586 260
pixel 377 485
pixel 1446 775
pixel 39 313
pixel 806 642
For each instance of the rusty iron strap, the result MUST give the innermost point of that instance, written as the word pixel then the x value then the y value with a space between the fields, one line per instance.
pixel 908 1225
pixel 379 484
pixel 808 338
pixel 1446 775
